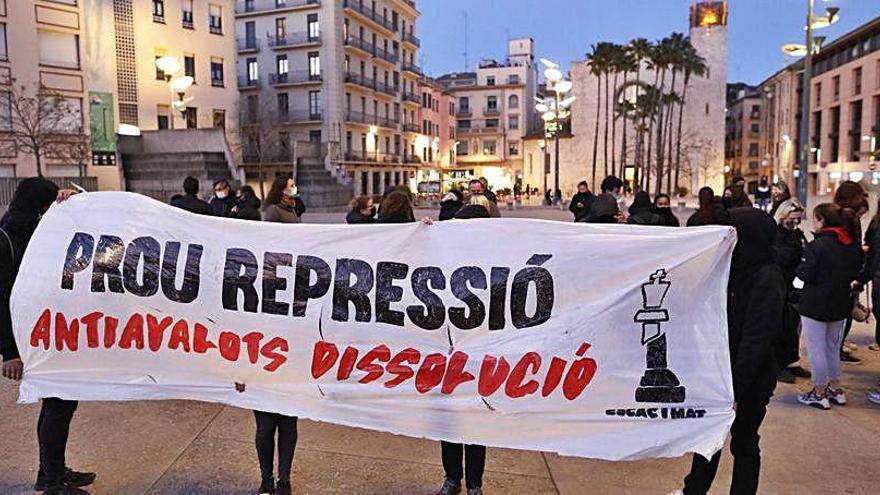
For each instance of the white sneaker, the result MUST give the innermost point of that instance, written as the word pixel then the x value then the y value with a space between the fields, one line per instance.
pixel 836 397
pixel 850 346
pixel 812 399
pixel 676 492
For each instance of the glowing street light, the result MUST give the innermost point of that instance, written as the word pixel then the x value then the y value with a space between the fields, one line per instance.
pixel 177 85
pixel 554 111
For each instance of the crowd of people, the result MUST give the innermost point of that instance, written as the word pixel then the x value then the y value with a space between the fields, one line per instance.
pixel 782 287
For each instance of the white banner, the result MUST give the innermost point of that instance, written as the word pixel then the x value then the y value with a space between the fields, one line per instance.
pixel 603 341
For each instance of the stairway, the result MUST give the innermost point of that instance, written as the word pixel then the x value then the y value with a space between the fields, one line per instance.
pixel 160 175
pixel 320 191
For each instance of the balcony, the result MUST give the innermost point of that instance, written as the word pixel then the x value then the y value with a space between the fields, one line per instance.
pixel 248 45
pixel 364 46
pixel 248 7
pixel 411 98
pixel 302 117
pixel 248 83
pixel 371 157
pixel 386 89
pixel 408 37
pixel 359 80
pixel 463 112
pixel 369 14
pixel 414 128
pixel 460 131
pixel 294 78
pixel 412 159
pixel 496 110
pixel 293 40
pixel 387 56
pixel 366 119
pixel 412 68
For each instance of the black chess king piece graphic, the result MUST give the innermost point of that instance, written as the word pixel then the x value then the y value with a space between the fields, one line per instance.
pixel 659 383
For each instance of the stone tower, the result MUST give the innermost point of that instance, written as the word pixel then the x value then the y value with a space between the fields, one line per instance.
pixel 704 112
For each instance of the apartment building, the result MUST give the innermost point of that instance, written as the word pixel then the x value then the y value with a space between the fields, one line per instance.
pixel 780 120
pixel 845 111
pixel 495 110
pixel 742 143
pixel 435 145
pixel 340 73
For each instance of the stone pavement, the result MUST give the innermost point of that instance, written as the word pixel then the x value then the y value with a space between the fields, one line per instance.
pixel 180 447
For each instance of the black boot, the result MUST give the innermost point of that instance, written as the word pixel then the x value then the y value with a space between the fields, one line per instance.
pixel 284 488
pixel 71 477
pixel 267 487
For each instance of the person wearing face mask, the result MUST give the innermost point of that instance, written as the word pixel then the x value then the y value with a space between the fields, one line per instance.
pixel 32 198
pixel 641 211
pixel 281 203
pixel 248 205
pixel 362 211
pixel 789 246
pixel 663 207
pixel 450 204
pixel 224 199
pixel 613 187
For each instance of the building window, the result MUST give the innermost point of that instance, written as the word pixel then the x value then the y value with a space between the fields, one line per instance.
pixel 315 105
pixel 159 11
pixel 282 66
pixel 280 3
pixel 215 19
pixel 217 72
pixel 314 30
pixel 464 124
pixel 191 115
pixel 59 49
pixel 280 29
pixel 513 79
pixel 253 72
pixel 857 81
pixel 4 54
pixel 314 65
pixel 513 101
pixel 219 118
pixel 490 81
pixel 513 148
pixel 492 103
pixel 491 123
pixel 189 66
pixel 835 82
pixel 818 91
pixel 877 70
pixel 464 105
pixel 462 148
pixel 162 120
pixel 186 14
pixel 160 75
pixel 314 136
pixel 753 149
pixel 513 122
pixel 283 106
pixel 5 111
pixel 490 147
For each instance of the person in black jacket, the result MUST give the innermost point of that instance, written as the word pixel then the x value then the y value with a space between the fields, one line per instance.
pixel 789 245
pixel 450 204
pixel 581 202
pixel 478 207
pixel 32 198
pixel 224 199
pixel 190 201
pixel 663 207
pixel 830 270
pixel 362 211
pixel 780 194
pixel 604 210
pixel 756 293
pixel 872 273
pixel 640 211
pixel 710 212
pixel 247 205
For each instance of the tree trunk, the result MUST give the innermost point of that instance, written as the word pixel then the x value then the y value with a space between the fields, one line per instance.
pixel 625 125
pixel 636 177
pixel 669 120
pixel 37 155
pixel 614 127
pixel 687 77
pixel 605 148
pixel 651 119
pixel 660 143
pixel 260 178
pixel 596 134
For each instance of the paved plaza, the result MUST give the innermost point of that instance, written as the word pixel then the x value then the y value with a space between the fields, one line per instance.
pixel 180 447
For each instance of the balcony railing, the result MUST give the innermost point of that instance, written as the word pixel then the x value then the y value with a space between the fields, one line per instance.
pixel 295 77
pixel 247 83
pixel 412 128
pixel 303 116
pixel 411 67
pixel 411 97
pixel 248 45
pixel 371 156
pixel 477 130
pixel 410 38
pixel 363 118
pixel 293 39
pixel 248 6
pixel 385 88
pixel 412 159
pixel 386 55
pixel 496 110
pixel 355 42
pixel 360 80
pixel 360 8
pixel 463 112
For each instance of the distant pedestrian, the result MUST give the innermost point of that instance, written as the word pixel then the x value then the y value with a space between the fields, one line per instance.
pixel 362 211
pixel 478 187
pixel 663 207
pixel 548 199
pixel 190 200
pixel 247 206
pixel 280 204
pixel 789 247
pixel 829 271
pixel 396 208
pixel 581 202
pixel 640 211
pixel 450 204
pixel 756 293
pixel 31 200
pixel 224 199
pixel 779 193
pixel 763 194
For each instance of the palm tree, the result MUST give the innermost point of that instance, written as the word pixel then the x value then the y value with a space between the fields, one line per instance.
pixel 694 65
pixel 598 62
pixel 608 50
pixel 660 60
pixel 616 55
pixel 626 65
pixel 640 48
pixel 677 46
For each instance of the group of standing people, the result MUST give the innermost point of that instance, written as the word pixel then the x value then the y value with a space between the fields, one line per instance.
pixel 283 203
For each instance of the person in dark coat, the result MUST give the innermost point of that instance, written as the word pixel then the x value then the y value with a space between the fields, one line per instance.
pixel 224 199
pixel 640 211
pixel 362 211
pixel 396 208
pixel 31 199
pixel 663 207
pixel 763 194
pixel 450 204
pixel 789 246
pixel 247 205
pixel 830 271
pixel 756 294
pixel 711 211
pixel 581 202
pixel 604 210
pixel 190 201
pixel 477 207
pixel 852 195
pixel 872 273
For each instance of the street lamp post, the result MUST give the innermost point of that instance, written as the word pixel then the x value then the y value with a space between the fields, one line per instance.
pixel 554 113
pixel 177 85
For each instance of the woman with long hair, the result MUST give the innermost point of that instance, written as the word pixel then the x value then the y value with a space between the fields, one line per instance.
pixel 281 202
pixel 830 270
pixel 362 211
pixel 396 208
pixel 705 214
pixel 663 207
pixel 851 195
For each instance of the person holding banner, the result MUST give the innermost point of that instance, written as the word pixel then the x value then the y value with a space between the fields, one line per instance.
pixel 31 200
pixel 756 294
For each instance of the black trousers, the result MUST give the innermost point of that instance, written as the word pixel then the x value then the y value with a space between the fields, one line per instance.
pixel 474 457
pixel 53 428
pixel 744 440
pixel 267 425
pixel 787 347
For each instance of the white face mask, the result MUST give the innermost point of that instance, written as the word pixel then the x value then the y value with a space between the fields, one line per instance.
pixel 292 192
pixel 220 194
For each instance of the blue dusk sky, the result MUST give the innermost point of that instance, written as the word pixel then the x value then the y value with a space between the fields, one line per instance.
pixel 564 29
